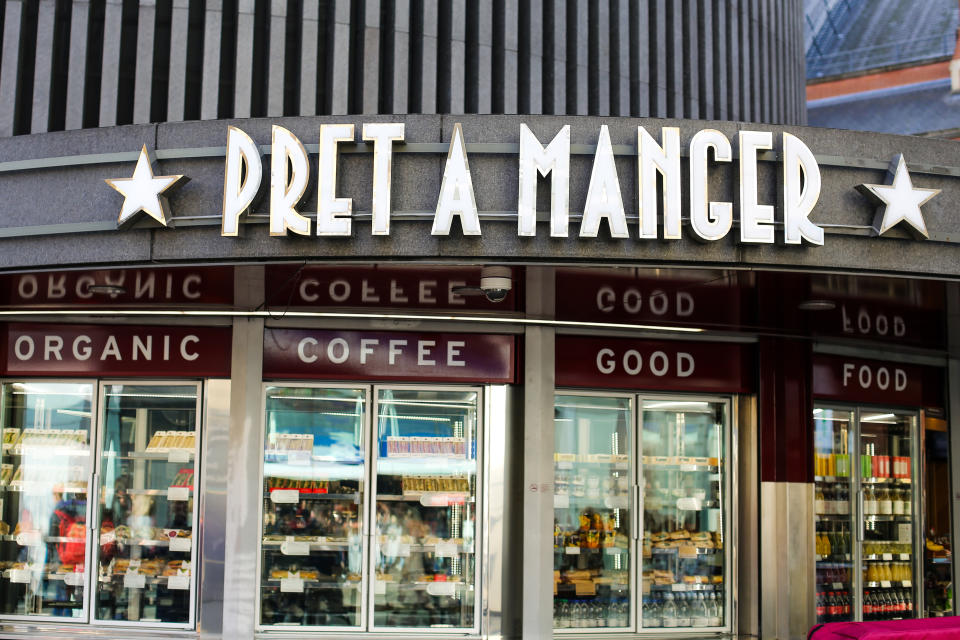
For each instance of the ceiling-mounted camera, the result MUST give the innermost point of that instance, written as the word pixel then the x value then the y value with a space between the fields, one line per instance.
pixel 495 284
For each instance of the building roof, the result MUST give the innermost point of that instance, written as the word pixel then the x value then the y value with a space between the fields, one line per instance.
pixel 916 109
pixel 857 35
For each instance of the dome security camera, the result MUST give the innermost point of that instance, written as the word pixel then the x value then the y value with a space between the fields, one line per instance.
pixel 495 283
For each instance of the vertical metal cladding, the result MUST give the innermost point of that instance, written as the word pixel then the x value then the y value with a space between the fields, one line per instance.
pixel 69 64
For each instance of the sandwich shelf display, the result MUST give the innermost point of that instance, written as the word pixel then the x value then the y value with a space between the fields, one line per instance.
pixel 146 504
pixel 346 544
pixel 45 467
pixel 865 511
pixel 640 546
pixel 125 555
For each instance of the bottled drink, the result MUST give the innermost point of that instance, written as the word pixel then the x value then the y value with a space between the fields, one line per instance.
pixel 651 614
pixel 577 617
pixel 669 612
pixel 612 614
pixel 898 502
pixel 596 611
pixel 885 502
pixel 867 606
pixel 563 619
pixel 699 615
pixel 683 610
pixel 821 608
pixel 818 506
pixel 844 503
pixel 869 502
pixel 845 599
pixel 715 610
pixel 624 615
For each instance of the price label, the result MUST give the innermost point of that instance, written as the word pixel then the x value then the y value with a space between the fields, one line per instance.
pixel 689 467
pixel 178 493
pixel 572 551
pixel 178 582
pixel 294 548
pixel 564 464
pixel 885 584
pixel 379 588
pixel 678 587
pixel 285 496
pixel 29 538
pixel 904 556
pixel 441 588
pixel 134 581
pixel 446 550
pixel 20 576
pixel 614 551
pixel 615 502
pixel 179 455
pixel 906 583
pixel 74 579
pixel 688 504
pixel 291 585
pixel 887 556
pixel 561 500
pixel 838 585
pixel 180 544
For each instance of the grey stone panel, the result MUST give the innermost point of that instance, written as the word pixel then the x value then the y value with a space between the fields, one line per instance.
pixel 341 50
pixel 212 29
pixel 278 31
pixel 401 55
pixel 309 42
pixel 242 88
pixel 76 78
pixel 371 56
pixel 43 67
pixel 84 141
pixel 143 85
pixel 511 48
pixel 10 66
pixel 82 250
pixel 177 87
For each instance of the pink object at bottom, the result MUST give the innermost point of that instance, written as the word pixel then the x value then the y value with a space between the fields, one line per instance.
pixel 920 629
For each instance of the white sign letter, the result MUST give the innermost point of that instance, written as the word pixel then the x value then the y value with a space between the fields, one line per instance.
pixel 383 134
pixel 797 203
pixel 756 220
pixel 534 159
pixel 666 160
pixel 333 213
pixel 286 190
pixel 456 191
pixel 710 220
pixel 603 194
pixel 238 195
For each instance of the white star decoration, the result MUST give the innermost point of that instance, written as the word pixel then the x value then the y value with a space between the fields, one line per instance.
pixel 144 191
pixel 899 200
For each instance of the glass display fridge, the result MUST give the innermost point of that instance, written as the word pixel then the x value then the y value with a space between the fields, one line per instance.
pixel 865 514
pixel 370 508
pixel 133 452
pixel 642 508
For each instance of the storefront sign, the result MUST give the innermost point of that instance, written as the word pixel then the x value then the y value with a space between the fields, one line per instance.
pixel 380 287
pixel 363 355
pixel 876 382
pixel 620 295
pixel 171 286
pixel 117 350
pixel 621 363
pixel 659 170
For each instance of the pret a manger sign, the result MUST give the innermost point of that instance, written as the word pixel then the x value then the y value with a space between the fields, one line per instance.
pixel 658 161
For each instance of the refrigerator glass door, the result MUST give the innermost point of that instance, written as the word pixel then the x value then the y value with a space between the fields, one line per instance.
pixel 834 513
pixel 45 471
pixel 146 550
pixel 888 520
pixel 311 559
pixel 685 503
pixel 425 511
pixel 592 511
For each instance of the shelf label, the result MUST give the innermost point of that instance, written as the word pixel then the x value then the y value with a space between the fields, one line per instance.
pixel 285 496
pixel 678 587
pixel 291 585
pixel 885 584
pixel 74 579
pixel 904 532
pixel 572 551
pixel 441 499
pixel 688 504
pixel 134 581
pixel 904 556
pixel 614 551
pixel 838 585
pixel 29 538
pixel 441 588
pixel 887 556
pixel 178 582
pixel 561 500
pixel 689 467
pixel 21 576
pixel 446 550
pixel 615 502
pixel 178 493
pixel 379 588
pixel 906 583
pixel 180 544
pixel 179 455
pixel 291 547
pixel 564 464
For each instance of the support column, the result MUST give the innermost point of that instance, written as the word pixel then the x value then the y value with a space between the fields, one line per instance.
pixel 240 594
pixel 538 435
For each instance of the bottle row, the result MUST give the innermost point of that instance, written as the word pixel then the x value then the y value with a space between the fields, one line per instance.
pixel 838 465
pixel 888 604
pixel 590 614
pixel 672 610
pixel 876 501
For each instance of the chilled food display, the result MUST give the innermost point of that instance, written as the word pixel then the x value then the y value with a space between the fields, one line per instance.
pixel 44 469
pixel 683 493
pixel 591 512
pixel 311 562
pixel 145 551
pixel 426 509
